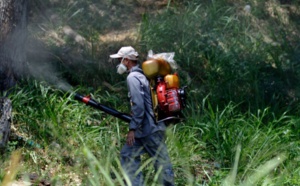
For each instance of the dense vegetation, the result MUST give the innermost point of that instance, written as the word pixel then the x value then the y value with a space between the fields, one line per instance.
pixel 242 71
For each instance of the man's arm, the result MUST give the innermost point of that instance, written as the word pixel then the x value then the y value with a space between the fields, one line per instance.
pixel 137 102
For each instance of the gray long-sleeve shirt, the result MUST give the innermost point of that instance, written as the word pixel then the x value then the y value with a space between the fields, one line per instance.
pixel 143 121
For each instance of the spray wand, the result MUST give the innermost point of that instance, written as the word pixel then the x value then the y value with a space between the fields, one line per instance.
pixel 91 102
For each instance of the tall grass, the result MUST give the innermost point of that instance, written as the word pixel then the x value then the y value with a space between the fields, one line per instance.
pixel 60 126
pixel 229 53
pixel 80 146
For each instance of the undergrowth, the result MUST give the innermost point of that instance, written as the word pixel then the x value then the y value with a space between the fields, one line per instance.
pixel 73 144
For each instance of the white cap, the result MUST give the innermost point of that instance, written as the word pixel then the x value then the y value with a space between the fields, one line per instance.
pixel 126 52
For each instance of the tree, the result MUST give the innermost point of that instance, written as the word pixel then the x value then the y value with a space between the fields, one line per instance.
pixel 13 35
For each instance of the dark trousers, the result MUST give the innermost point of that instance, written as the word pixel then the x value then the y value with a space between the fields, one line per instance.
pixel 155 146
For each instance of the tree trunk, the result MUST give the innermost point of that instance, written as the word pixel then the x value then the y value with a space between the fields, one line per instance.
pixel 5 121
pixel 13 35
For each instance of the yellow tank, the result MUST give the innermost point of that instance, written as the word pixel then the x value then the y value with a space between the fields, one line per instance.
pixel 155 67
pixel 172 81
pixel 164 67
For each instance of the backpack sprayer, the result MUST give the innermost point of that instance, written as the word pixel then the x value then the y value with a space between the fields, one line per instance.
pixel 168 99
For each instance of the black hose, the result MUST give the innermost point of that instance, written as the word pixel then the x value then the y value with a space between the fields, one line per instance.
pixel 91 102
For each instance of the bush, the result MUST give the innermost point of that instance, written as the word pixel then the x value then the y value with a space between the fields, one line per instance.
pixel 231 54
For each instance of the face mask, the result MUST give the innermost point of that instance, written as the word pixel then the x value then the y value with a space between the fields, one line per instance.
pixel 121 68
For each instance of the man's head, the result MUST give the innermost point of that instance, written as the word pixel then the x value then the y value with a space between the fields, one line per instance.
pixel 128 58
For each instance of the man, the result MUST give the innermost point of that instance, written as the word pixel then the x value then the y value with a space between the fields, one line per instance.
pixel 145 135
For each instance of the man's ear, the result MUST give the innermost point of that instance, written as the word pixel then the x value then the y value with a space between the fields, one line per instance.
pixel 126 61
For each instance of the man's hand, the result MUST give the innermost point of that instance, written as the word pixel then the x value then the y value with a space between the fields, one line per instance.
pixel 130 138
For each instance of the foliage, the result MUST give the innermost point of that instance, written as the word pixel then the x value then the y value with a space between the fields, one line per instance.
pixel 241 116
pixel 230 53
pixel 75 144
